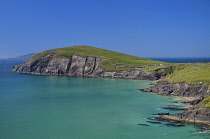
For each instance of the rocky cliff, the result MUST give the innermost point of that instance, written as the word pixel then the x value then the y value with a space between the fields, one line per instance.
pixel 178 89
pixel 84 66
pixel 197 114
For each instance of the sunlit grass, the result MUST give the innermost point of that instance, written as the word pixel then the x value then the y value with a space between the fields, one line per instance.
pixel 191 73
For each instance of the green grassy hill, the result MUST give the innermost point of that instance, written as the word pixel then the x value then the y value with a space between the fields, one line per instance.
pixel 191 73
pixel 113 61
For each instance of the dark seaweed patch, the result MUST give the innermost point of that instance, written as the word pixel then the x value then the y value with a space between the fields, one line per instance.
pixel 143 124
pixel 154 122
pixel 173 125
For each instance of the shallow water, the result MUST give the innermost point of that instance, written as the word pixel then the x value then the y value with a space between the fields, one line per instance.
pixel 53 107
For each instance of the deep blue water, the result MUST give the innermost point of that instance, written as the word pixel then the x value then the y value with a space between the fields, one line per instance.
pixel 60 107
pixel 183 59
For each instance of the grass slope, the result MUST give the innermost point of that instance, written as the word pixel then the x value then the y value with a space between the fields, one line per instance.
pixel 191 73
pixel 111 59
pixel 194 74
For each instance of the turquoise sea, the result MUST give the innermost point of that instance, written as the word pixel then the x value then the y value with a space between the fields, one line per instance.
pixel 59 107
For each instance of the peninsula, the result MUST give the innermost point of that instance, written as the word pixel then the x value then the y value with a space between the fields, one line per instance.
pixel 87 61
pixel 184 80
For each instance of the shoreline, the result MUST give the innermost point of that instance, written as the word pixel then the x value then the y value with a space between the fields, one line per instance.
pixel 189 94
pixel 170 118
pixel 196 113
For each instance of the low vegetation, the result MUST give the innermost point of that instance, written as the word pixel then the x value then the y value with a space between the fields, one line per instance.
pixel 191 73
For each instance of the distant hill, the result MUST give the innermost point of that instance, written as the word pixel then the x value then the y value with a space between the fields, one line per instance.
pixel 23 57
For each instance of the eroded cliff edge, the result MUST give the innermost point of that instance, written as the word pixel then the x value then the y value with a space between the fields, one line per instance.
pixel 199 113
pixel 83 66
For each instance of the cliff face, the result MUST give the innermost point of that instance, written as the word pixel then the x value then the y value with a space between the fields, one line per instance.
pixel 78 65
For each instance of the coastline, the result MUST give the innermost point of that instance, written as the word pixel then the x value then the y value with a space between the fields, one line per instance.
pixel 196 114
pixel 80 66
pixel 181 90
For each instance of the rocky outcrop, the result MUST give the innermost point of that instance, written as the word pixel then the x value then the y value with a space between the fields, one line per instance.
pixel 84 66
pixel 197 114
pixel 178 89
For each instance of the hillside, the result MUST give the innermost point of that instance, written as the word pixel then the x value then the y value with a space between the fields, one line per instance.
pixel 89 61
pixel 191 80
pixel 191 73
pixel 112 61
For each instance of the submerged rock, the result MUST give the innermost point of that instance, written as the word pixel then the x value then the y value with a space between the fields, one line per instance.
pixel 143 124
pixel 154 122
pixel 174 125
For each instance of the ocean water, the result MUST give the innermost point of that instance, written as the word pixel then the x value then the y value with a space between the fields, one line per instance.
pixel 183 59
pixel 59 107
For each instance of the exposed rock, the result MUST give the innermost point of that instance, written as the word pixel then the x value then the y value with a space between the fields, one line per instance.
pixel 199 116
pixel 194 115
pixel 81 66
pixel 89 65
pixel 178 89
pixel 77 66
pixel 206 127
pixel 167 113
pixel 175 108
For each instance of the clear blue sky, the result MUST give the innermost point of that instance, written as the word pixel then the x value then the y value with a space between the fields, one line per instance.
pixel 145 28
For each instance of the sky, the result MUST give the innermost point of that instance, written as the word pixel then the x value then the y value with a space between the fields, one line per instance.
pixel 144 28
